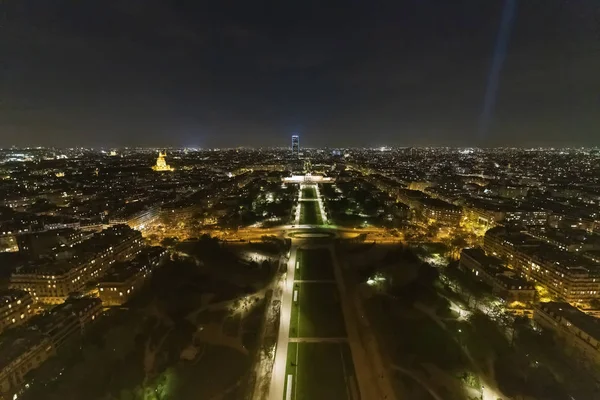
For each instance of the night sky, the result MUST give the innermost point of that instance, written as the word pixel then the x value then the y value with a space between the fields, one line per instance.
pixel 339 73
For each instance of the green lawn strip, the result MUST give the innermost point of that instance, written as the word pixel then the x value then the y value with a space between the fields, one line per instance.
pixel 299 263
pixel 289 368
pixel 316 264
pixel 309 213
pixel 294 320
pixel 309 193
pixel 321 373
pixel 320 311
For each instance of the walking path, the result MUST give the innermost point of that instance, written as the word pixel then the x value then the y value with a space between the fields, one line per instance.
pixel 418 379
pixel 371 374
pixel 490 387
pixel 319 340
pixel 281 350
pixel 373 378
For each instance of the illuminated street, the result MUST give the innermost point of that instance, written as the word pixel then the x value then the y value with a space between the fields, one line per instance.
pixel 372 380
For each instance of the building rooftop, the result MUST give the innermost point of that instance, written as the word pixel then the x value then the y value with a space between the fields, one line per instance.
pixel 587 323
pixel 496 267
pixel 73 257
pixel 437 203
pixel 121 272
pixel 568 261
pixel 568 236
pixel 512 281
pixel 10 295
pixel 49 320
pixel 47 267
pixel 515 238
pixel 479 255
pixel 14 342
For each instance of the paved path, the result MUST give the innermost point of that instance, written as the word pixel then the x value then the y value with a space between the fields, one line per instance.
pixel 313 281
pixel 319 340
pixel 373 377
pixel 418 379
pixel 279 366
pixel 264 364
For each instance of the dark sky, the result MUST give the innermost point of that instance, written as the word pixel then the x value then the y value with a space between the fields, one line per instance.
pixel 339 73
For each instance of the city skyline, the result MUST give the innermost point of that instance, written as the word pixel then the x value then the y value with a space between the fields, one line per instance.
pixel 300 200
pixel 273 274
pixel 398 74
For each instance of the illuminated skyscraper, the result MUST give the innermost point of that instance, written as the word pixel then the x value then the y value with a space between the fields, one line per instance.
pixel 295 145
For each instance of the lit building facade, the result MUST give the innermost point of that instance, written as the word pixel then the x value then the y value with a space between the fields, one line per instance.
pixel 19 354
pixel 38 243
pixel 123 280
pixel 565 275
pixel 52 282
pixel 15 308
pixel 492 271
pixel 161 163
pixel 67 319
pixel 579 332
pixel 295 145
pixel 440 212
pixel 25 348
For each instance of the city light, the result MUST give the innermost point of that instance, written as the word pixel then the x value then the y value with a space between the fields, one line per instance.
pixel 478 256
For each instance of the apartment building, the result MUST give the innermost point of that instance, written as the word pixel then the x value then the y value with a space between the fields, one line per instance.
pixel 53 280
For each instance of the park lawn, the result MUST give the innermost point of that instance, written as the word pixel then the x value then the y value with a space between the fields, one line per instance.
pixel 217 369
pixel 315 264
pixel 309 213
pixel 292 357
pixel 317 312
pixel 427 342
pixel 414 336
pixel 324 371
pixel 309 193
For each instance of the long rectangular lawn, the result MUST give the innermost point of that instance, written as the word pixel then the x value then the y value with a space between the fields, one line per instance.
pixel 317 311
pixel 321 371
pixel 309 193
pixel 314 264
pixel 309 213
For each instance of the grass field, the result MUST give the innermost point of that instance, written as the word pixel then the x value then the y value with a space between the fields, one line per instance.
pixel 317 311
pixel 309 193
pixel 318 370
pixel 310 214
pixel 321 371
pixel 314 264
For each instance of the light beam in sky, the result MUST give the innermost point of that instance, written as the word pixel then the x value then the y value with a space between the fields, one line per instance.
pixel 491 91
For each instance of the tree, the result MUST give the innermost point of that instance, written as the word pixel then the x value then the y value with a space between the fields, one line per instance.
pixel 169 242
pixel 427 275
pixel 432 230
pixel 595 304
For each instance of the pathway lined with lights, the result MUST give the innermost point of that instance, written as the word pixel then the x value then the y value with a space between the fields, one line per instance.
pixel 319 340
pixel 279 366
pixel 317 337
pixel 303 203
pixel 305 348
